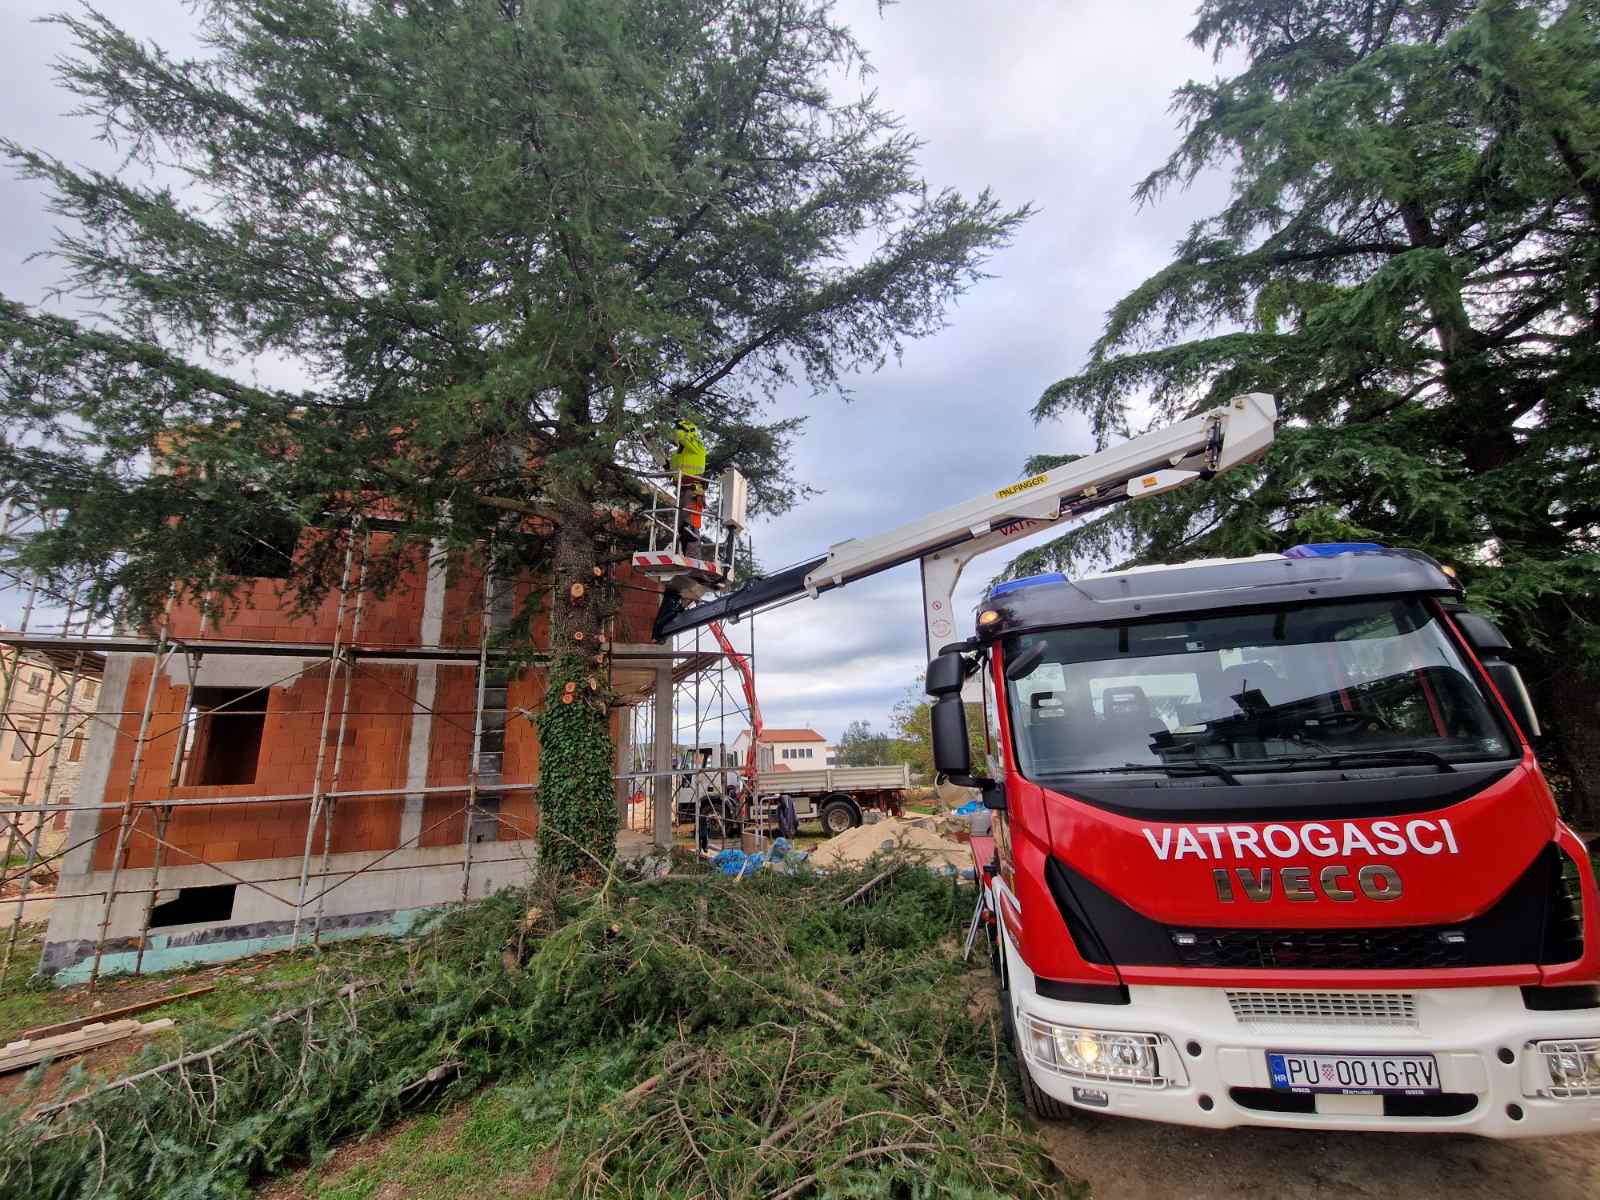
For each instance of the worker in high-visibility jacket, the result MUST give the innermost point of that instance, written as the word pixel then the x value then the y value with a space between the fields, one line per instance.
pixel 687 462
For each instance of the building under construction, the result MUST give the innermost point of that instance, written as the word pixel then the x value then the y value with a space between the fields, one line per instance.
pixel 263 779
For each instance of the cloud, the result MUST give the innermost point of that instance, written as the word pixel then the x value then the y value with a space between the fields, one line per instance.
pixel 1063 103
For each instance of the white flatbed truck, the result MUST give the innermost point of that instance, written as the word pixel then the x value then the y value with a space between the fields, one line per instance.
pixel 834 796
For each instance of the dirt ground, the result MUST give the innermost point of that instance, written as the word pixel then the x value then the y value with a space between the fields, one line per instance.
pixel 1123 1159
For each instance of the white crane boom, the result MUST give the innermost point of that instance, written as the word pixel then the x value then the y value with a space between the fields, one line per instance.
pixel 944 542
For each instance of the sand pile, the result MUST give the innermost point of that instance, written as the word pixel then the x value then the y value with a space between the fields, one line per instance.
pixel 895 836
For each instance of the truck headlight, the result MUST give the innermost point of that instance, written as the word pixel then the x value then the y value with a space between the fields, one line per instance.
pixel 1574 1066
pixel 1114 1055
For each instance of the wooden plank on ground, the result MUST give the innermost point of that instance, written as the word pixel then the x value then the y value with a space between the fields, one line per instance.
pixel 101 1018
pixel 19 1055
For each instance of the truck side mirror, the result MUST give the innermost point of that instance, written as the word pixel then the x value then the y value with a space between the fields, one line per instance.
pixel 951 753
pixel 946 673
pixel 1490 645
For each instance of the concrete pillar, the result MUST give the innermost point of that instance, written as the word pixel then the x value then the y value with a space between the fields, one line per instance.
pixel 418 747
pixel 663 757
pixel 97 757
pixel 624 763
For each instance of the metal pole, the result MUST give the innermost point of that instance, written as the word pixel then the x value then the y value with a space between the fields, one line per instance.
pixel 14 668
pixel 315 808
pixel 34 847
pixel 164 813
pixel 157 664
pixel 331 799
pixel 14 825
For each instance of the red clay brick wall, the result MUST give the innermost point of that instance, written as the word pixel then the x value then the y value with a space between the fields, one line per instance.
pixel 377 728
pixel 264 615
pixel 519 811
pixel 377 738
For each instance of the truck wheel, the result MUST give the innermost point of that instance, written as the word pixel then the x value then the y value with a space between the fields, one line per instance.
pixel 838 815
pixel 1041 1106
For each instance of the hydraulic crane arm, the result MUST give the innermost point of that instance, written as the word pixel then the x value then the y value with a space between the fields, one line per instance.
pixel 945 541
pixel 747 680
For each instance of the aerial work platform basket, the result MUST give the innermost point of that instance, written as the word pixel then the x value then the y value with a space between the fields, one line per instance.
pixel 694 524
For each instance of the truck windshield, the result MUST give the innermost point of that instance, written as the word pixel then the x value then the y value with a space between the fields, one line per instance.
pixel 1277 689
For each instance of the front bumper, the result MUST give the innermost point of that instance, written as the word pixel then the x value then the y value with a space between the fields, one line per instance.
pixel 1215 1063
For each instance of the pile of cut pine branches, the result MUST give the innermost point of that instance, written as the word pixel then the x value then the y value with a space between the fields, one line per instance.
pixel 783 1036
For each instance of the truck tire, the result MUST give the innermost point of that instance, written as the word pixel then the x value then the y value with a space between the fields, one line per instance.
pixel 1041 1106
pixel 838 814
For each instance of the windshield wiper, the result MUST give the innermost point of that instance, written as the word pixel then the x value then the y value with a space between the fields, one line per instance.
pixel 1347 756
pixel 1178 769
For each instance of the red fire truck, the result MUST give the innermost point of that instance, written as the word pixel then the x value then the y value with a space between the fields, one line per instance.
pixel 1270 846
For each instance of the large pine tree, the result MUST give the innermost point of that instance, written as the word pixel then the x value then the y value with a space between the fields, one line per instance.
pixel 1410 261
pixel 508 241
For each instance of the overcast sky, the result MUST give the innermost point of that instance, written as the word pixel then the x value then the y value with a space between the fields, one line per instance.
pixel 1063 104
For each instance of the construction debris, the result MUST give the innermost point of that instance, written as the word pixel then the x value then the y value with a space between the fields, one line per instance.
pixel 29 1052
pixel 910 838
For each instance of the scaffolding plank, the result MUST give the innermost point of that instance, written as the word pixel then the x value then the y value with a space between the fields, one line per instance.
pixel 18 1055
pixel 102 1018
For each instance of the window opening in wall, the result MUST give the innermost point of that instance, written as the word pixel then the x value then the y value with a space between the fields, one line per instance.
pixel 35 682
pixel 19 749
pixel 486 819
pixel 265 551
pixel 228 725
pixel 77 748
pixel 193 905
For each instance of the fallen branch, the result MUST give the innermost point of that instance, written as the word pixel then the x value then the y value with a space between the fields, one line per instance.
pixel 640 1090
pixel 434 1075
pixel 871 883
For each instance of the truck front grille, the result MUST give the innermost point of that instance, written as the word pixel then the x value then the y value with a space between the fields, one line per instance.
pixel 1404 948
pixel 1370 1010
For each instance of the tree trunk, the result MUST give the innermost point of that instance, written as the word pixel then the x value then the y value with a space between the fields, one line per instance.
pixel 577 813
pixel 1568 699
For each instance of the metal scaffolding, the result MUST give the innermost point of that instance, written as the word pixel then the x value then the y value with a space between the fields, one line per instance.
pixel 54 635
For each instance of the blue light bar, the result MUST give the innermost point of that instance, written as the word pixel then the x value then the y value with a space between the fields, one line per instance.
pixel 1329 549
pixel 1016 585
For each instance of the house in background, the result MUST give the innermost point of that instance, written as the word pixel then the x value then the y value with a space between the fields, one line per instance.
pixel 268 778
pixel 49 699
pixel 785 749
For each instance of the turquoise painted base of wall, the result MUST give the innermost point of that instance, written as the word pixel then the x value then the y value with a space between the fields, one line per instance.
pixel 170 952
